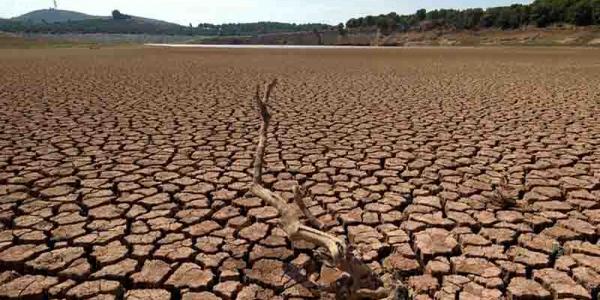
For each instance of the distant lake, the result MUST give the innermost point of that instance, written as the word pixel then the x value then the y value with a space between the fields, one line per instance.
pixel 227 46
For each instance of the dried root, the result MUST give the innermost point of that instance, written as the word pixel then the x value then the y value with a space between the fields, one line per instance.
pixel 504 195
pixel 360 281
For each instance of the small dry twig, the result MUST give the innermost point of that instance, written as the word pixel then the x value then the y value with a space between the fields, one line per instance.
pixel 504 195
pixel 299 195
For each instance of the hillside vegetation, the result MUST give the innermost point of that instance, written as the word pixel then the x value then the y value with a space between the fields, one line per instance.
pixel 541 13
pixel 73 22
pixel 59 22
pixel 384 29
pixel 53 16
pixel 531 36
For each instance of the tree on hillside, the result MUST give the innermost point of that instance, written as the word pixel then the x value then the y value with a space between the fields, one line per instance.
pixel 581 14
pixel 542 14
pixel 341 30
pixel 369 21
pixel 472 17
pixel 596 11
pixel 507 19
pixel 421 14
pixel 353 23
pixel 117 15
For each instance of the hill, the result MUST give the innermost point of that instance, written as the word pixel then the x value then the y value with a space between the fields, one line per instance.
pixel 51 21
pixel 53 16
pixel 62 16
pixel 129 26
pixel 56 21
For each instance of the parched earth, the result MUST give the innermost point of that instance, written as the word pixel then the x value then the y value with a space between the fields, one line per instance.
pixel 123 171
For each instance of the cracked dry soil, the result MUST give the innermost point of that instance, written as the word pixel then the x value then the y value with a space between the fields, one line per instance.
pixel 123 171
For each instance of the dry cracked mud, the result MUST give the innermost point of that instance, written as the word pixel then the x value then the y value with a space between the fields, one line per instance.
pixel 123 171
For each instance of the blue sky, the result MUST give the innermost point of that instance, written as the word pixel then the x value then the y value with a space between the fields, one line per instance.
pixel 225 11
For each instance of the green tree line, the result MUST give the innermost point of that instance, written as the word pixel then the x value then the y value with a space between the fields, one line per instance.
pixel 255 28
pixel 541 13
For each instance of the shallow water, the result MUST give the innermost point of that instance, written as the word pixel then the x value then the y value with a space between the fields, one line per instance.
pixel 226 46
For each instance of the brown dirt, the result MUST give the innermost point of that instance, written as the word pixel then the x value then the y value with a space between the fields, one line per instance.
pixel 122 171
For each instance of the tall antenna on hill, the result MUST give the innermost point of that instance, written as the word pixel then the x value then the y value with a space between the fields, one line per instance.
pixel 55 5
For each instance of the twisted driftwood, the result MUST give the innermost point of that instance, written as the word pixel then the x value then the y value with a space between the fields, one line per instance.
pixel 360 282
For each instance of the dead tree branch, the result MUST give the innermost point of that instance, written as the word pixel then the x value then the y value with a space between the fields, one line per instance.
pixel 361 282
pixel 261 104
pixel 299 195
